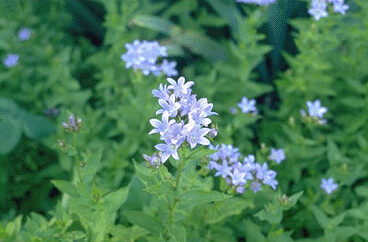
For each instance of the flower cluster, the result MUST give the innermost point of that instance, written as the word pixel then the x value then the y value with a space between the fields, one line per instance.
pixel 247 106
pixel 328 185
pixel 143 55
pixel 277 155
pixel 11 60
pixel 73 125
pixel 315 111
pixel 184 118
pixel 236 173
pixel 319 8
pixel 259 2
pixel 24 34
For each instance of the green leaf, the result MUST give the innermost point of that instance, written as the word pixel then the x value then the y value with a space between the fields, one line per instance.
pixel 7 107
pixel 228 11
pixel 154 23
pixel 36 127
pixel 10 134
pixel 253 232
pixel 113 201
pixel 321 217
pixel 362 191
pixel 272 213
pixel 197 197
pixel 223 209
pixel 177 231
pixel 333 153
pixel 145 221
pixel 65 186
pixel 291 201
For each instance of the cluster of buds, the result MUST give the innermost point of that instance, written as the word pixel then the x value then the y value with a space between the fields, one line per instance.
pixel 74 124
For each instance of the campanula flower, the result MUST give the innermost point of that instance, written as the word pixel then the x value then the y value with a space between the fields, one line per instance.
pixel 247 106
pixel 315 109
pixel 180 88
pixel 167 151
pixel 259 2
pixel 170 106
pixel 161 126
pixel 11 60
pixel 277 155
pixel 73 125
pixel 195 134
pixel 168 68
pixel 328 185
pixel 24 34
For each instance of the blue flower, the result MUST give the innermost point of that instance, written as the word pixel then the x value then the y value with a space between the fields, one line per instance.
pixel 180 88
pixel 328 185
pixel 256 186
pixel 154 160
pixel 24 34
pixel 195 134
pixel 259 2
pixel 143 56
pixel 161 93
pixel 73 125
pixel 191 117
pixel 167 151
pixel 247 106
pixel 223 170
pixel 277 155
pixel 11 60
pixel 161 126
pixel 319 8
pixel 168 68
pixel 170 106
pixel 315 109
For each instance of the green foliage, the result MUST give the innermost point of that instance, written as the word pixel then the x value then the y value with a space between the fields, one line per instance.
pixel 93 185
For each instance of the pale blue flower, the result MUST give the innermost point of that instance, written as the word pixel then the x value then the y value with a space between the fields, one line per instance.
pixel 73 125
pixel 328 185
pixel 168 68
pixel 315 109
pixel 223 170
pixel 161 126
pixel 161 93
pixel 199 117
pixel 195 134
pixel 277 155
pixel 174 134
pixel 256 186
pixel 170 106
pixel 11 60
pixel 167 151
pixel 247 106
pixel 180 88
pixel 143 56
pixel 154 160
pixel 24 34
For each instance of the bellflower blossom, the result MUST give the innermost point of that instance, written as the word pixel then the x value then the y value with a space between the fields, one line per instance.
pixel 277 155
pixel 226 162
pixel 143 55
pixel 73 125
pixel 315 111
pixel 11 60
pixel 319 8
pixel 184 119
pixel 24 34
pixel 328 185
pixel 247 106
pixel 259 2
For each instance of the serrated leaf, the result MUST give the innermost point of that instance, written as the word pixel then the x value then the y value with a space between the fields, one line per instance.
pixel 10 134
pixel 223 209
pixel 145 221
pixel 113 201
pixel 253 232
pixel 66 186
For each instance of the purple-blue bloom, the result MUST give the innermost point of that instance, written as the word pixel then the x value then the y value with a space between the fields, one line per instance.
pixel 318 8
pixel 24 34
pixel 247 106
pixel 154 160
pixel 277 155
pixel 143 55
pixel 73 125
pixel 226 164
pixel 168 68
pixel 328 185
pixel 189 118
pixel 315 109
pixel 11 60
pixel 161 126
